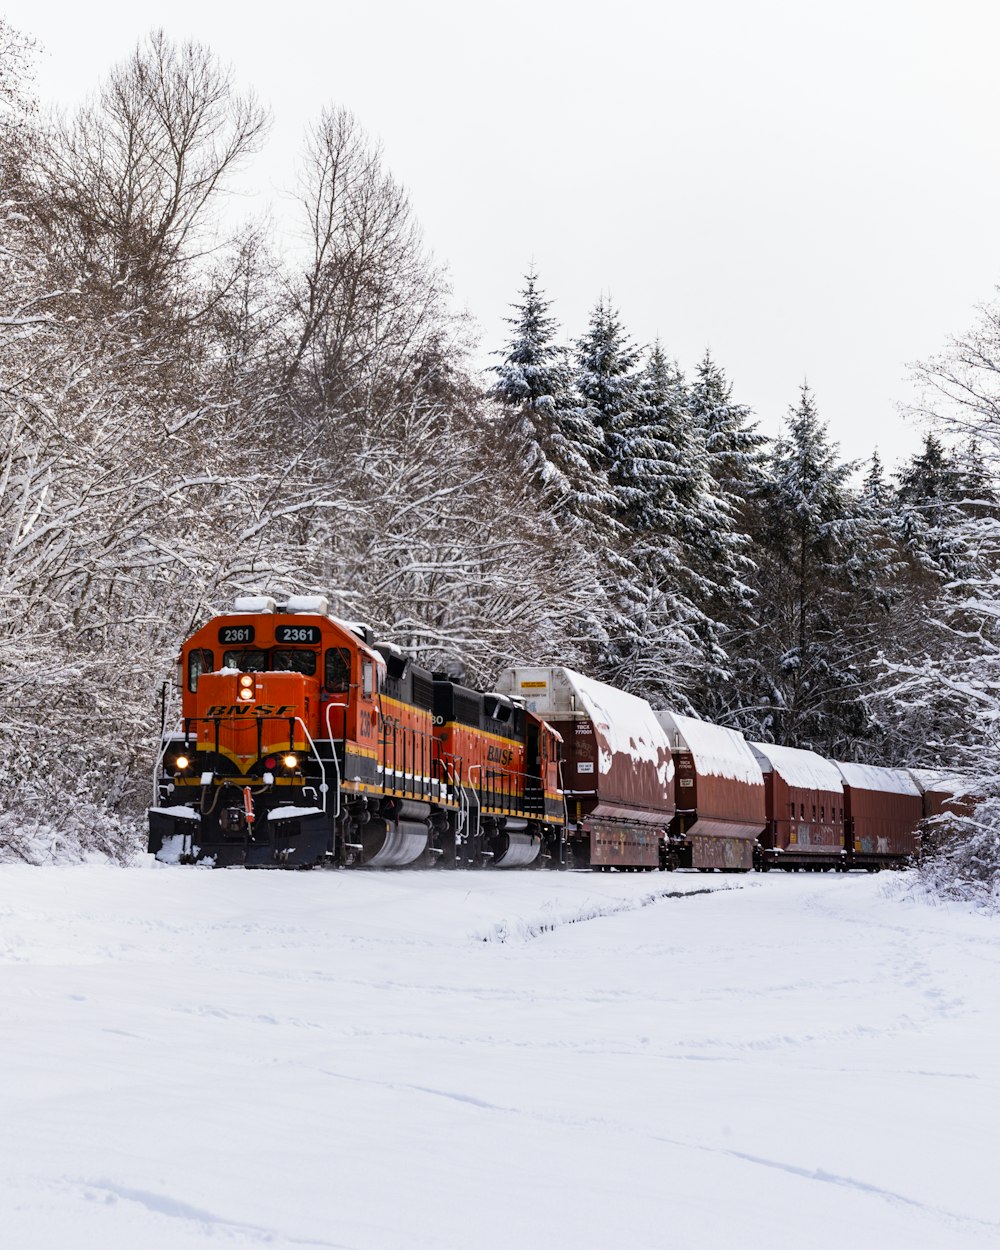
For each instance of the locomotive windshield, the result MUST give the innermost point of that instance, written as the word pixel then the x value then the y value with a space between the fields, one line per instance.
pixel 280 660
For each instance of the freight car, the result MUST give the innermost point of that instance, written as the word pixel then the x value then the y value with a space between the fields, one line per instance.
pixel 719 796
pixel 805 810
pixel 882 809
pixel 617 767
pixel 944 793
pixel 301 742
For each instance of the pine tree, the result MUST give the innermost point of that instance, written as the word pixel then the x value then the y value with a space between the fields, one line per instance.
pixel 534 372
pixel 820 591
pixel 734 444
pixel 561 443
pixel 726 456
pixel 875 493
pixel 655 476
pixel 929 494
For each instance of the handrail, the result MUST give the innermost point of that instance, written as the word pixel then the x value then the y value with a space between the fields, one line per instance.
pixel 296 720
pixel 324 788
pixel 498 789
pixel 164 743
pixel 333 752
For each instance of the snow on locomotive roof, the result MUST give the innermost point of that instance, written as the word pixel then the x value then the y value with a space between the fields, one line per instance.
pixel 253 603
pixel 353 627
pixel 872 777
pixel 718 752
pixel 624 723
pixel 318 605
pixel 805 770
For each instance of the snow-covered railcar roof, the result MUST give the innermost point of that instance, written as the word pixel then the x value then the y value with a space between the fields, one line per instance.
pixel 942 782
pixel 805 770
pixel 624 723
pixel 717 752
pixel 873 777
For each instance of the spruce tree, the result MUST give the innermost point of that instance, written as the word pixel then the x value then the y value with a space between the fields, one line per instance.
pixel 562 445
pixel 820 590
pixel 655 476
pixel 732 440
pixel 930 492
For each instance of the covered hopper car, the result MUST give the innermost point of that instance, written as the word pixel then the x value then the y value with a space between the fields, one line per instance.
pixel 805 810
pixel 617 767
pixel 719 796
pixel 882 809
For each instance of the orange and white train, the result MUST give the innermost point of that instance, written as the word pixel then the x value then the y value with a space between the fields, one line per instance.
pixel 302 741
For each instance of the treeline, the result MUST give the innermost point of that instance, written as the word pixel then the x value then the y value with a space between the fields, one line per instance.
pixel 189 411
pixel 765 584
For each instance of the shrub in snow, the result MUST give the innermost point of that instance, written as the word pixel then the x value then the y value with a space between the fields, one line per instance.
pixel 961 856
pixel 84 832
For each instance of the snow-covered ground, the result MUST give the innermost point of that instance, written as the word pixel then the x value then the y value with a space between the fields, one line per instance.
pixel 392 1061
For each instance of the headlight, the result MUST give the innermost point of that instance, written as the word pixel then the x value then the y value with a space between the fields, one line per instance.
pixel 291 761
pixel 181 762
pixel 246 694
pixel 246 682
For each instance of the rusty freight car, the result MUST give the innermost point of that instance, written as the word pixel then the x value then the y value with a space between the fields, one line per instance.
pixel 882 808
pixel 719 795
pixel 617 768
pixel 805 810
pixel 944 793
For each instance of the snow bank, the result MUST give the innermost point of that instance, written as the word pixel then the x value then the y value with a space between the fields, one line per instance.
pixel 805 770
pixel 232 1060
pixel 85 834
pixel 717 752
pixel 872 777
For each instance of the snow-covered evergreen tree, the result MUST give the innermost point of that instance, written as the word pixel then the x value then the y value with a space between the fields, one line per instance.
pixel 734 444
pixel 819 586
pixel 558 437
pixel 655 474
pixel 534 369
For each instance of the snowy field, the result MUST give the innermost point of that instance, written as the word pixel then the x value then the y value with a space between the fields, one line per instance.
pixel 396 1061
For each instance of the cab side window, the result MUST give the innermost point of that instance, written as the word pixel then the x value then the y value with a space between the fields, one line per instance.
pixel 337 670
pixel 199 661
pixel 367 679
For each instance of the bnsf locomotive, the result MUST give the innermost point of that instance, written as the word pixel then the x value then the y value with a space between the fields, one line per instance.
pixel 302 741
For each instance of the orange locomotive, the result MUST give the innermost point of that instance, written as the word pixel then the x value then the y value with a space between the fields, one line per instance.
pixel 302 742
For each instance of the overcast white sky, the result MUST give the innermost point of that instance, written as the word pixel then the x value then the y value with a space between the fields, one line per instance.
pixel 812 190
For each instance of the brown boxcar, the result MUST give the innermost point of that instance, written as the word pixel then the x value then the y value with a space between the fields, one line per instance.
pixel 805 810
pixel 882 808
pixel 617 770
pixel 944 792
pixel 718 795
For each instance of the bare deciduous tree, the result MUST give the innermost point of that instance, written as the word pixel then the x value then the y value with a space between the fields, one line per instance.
pixel 129 180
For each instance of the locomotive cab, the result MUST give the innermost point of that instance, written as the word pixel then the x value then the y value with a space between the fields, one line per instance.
pixel 277 711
